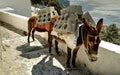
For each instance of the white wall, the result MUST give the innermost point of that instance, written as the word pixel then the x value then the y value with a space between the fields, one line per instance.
pixel 17 21
pixel 108 62
pixel 21 7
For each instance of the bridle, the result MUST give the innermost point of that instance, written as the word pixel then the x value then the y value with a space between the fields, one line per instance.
pixel 95 37
pixel 89 35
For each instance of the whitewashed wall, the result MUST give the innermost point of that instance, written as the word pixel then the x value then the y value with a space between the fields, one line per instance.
pixel 21 7
pixel 17 21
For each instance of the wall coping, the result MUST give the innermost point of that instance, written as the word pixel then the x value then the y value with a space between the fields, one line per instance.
pixel 110 46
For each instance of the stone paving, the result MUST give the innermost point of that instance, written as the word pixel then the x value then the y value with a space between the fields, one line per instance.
pixel 20 58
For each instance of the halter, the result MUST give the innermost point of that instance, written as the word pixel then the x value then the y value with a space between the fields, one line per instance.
pixel 95 37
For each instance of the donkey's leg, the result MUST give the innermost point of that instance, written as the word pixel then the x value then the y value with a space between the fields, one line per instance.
pixel 74 55
pixel 56 47
pixel 33 31
pixel 28 37
pixel 50 41
pixel 29 33
pixel 68 57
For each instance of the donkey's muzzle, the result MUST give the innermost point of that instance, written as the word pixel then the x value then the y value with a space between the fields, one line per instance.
pixel 92 59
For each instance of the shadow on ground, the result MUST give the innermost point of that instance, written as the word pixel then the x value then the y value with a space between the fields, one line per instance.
pixel 12 28
pixel 34 48
pixel 47 67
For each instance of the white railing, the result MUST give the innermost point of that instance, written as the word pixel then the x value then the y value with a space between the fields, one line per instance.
pixel 108 62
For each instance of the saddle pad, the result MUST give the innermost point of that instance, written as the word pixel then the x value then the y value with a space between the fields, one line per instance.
pixel 46 27
pixel 70 39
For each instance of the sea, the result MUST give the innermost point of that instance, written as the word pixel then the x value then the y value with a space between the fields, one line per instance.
pixel 109 10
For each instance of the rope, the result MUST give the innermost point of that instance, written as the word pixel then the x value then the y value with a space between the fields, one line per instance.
pixel 82 33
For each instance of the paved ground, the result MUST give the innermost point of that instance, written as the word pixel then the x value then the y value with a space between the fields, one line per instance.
pixel 20 58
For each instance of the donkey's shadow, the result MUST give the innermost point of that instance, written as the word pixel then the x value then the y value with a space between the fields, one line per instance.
pixel 46 67
pixel 34 48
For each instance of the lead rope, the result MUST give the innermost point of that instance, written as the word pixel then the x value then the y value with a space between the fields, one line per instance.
pixel 82 33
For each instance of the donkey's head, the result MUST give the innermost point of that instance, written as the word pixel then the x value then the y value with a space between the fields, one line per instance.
pixel 93 39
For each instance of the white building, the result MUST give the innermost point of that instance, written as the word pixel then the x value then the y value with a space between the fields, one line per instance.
pixel 21 7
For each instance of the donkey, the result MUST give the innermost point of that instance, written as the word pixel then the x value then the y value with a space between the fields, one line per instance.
pixel 34 26
pixel 88 36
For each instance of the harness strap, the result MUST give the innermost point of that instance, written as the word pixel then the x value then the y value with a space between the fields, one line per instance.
pixel 95 37
pixel 95 40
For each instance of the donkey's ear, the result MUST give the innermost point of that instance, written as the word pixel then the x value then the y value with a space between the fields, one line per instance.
pixel 99 25
pixel 86 23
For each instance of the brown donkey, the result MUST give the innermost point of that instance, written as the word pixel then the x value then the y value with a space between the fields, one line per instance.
pixel 88 36
pixel 34 26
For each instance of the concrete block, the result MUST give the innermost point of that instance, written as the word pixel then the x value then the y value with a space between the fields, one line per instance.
pixel 65 23
pixel 46 14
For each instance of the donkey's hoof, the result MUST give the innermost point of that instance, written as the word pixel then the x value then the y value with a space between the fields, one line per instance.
pixel 51 54
pixel 68 66
pixel 28 41
pixel 59 54
pixel 33 39
pixel 25 33
pixel 74 66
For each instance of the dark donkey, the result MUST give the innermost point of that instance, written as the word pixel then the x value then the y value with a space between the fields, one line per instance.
pixel 34 26
pixel 88 35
